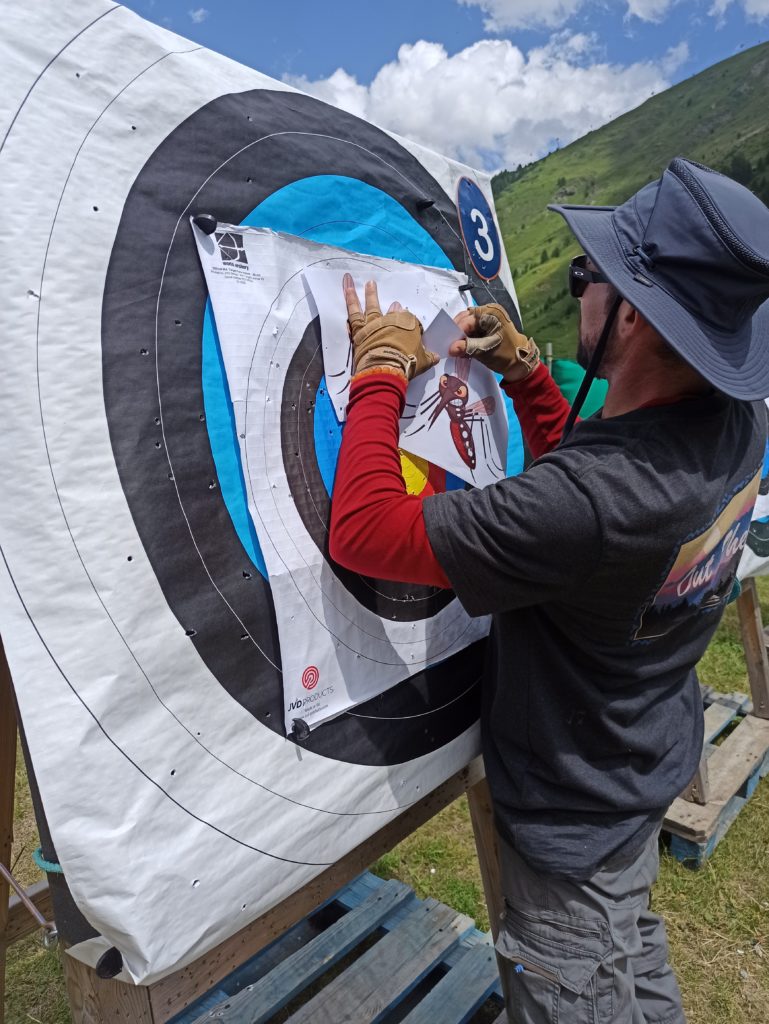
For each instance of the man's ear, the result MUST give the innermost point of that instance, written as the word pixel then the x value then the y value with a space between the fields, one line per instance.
pixel 630 321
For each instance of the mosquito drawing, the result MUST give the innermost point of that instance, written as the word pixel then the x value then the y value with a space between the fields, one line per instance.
pixel 452 395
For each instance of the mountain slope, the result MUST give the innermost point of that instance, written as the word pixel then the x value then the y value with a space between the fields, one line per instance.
pixel 718 117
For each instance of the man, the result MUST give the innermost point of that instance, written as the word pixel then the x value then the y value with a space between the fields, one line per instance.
pixel 606 567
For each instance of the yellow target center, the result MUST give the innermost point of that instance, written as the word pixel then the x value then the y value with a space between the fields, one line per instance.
pixel 414 472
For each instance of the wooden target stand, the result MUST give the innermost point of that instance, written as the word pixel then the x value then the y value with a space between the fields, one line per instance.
pixel 94 1000
pixel 727 775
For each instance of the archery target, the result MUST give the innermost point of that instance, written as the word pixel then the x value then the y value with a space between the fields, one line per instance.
pixel 136 613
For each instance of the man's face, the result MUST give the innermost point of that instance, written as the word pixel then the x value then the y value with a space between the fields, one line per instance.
pixel 594 306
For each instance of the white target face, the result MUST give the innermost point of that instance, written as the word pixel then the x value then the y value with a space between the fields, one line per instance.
pixel 138 624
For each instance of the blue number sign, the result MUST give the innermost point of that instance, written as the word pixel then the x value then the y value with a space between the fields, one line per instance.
pixel 478 229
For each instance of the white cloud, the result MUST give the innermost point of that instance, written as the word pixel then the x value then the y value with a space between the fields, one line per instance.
pixel 675 58
pixel 492 105
pixel 504 14
pixel 755 10
pixel 198 15
pixel 649 10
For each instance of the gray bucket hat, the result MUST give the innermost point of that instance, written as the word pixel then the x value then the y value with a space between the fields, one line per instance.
pixel 691 253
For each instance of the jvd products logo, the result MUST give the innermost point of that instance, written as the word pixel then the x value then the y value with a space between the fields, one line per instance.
pixel 231 248
pixel 310 677
pixel 311 698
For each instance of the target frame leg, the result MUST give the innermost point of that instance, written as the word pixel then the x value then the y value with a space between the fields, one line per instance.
pixel 7 797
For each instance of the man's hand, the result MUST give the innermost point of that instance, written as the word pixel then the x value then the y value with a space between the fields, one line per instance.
pixel 391 340
pixel 493 340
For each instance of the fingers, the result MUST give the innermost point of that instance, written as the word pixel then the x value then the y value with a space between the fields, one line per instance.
pixel 395 307
pixel 465 321
pixel 351 298
pixel 433 357
pixel 372 300
pixel 458 347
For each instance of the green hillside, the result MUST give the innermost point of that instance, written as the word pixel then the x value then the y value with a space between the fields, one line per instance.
pixel 718 117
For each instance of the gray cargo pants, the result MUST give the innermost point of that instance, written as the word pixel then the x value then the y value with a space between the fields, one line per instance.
pixel 585 952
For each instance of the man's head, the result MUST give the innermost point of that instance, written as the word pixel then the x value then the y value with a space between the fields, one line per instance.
pixel 689 254
pixel 629 329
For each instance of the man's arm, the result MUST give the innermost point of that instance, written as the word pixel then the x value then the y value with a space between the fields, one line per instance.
pixel 514 543
pixel 377 529
pixel 518 542
pixel 541 409
pixel 492 338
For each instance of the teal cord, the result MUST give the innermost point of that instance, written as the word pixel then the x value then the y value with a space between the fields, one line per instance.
pixel 49 866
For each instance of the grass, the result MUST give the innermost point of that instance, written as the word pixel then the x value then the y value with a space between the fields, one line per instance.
pixel 717 917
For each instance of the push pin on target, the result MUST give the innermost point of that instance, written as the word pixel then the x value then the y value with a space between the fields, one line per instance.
pixel 301 730
pixel 206 222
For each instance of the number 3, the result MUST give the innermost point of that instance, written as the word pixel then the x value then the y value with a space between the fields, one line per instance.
pixel 487 253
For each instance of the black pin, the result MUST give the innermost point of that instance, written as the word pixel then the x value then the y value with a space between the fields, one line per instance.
pixel 109 964
pixel 425 204
pixel 466 287
pixel 301 730
pixel 206 222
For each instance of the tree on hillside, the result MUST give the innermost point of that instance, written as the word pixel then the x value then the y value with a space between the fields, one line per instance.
pixel 741 169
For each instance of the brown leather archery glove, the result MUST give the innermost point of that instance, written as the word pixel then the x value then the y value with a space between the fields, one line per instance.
pixel 495 341
pixel 392 340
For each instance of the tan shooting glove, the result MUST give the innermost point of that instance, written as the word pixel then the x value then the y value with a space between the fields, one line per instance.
pixel 493 340
pixel 391 341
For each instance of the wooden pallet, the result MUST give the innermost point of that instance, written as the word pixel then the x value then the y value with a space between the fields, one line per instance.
pixel 372 952
pixel 734 767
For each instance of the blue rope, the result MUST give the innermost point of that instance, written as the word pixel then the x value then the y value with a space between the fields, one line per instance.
pixel 49 866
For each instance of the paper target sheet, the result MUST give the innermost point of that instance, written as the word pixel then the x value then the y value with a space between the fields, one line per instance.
pixel 454 415
pixel 335 651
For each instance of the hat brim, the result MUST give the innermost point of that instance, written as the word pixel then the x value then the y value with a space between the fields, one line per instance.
pixel 736 363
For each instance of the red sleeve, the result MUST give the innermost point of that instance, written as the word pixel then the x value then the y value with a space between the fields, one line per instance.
pixel 541 410
pixel 377 528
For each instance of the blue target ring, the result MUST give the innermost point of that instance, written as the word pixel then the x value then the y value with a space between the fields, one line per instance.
pixel 346 213
pixel 479 230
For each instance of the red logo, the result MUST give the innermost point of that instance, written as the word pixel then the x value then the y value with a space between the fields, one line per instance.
pixel 310 677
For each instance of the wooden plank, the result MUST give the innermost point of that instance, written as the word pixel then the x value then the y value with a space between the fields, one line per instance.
pixel 171 994
pixel 360 888
pixel 20 922
pixel 95 1001
pixel 717 717
pixel 751 627
pixel 485 832
pixel 386 973
pixel 260 1001
pixel 698 790
pixel 7 794
pixel 461 991
pixel 730 765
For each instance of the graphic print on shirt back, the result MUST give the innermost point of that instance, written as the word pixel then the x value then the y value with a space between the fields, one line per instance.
pixel 703 572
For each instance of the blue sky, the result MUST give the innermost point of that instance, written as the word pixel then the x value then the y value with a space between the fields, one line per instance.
pixel 492 82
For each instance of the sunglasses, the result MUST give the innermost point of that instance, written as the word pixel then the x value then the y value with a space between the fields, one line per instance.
pixel 580 277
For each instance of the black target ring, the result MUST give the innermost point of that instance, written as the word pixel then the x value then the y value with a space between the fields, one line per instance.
pixel 154 301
